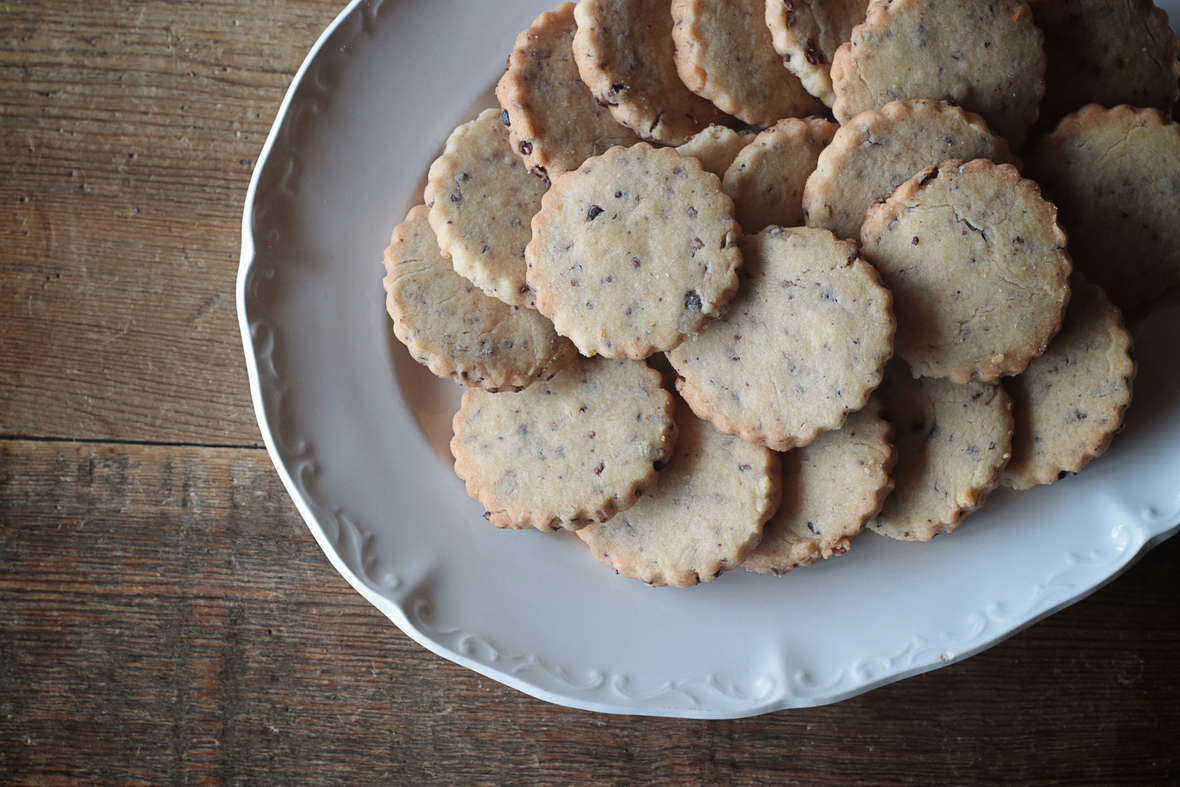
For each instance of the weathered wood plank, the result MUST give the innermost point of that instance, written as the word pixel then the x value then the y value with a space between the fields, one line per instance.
pixel 166 618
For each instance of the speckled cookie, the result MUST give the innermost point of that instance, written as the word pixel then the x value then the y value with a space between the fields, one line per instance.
pixel 481 201
pixel 952 444
pixel 807 34
pixel 1069 402
pixel 566 452
pixel 724 54
pixel 878 150
pixel 634 252
pixel 978 269
pixel 802 345
pixel 716 147
pixel 985 57
pixel 830 489
pixel 1115 176
pixel 626 56
pixel 454 329
pixel 553 120
pixel 702 517
pixel 767 178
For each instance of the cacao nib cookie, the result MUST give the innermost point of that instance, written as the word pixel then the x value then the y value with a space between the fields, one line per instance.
pixel 1115 176
pixel 830 489
pixel 807 34
pixel 978 269
pixel 481 201
pixel 767 178
pixel 626 56
pixel 985 57
pixel 878 150
pixel 952 441
pixel 553 121
pixel 716 147
pixel 1070 401
pixel 634 252
pixel 568 451
pixel 702 517
pixel 802 345
pixel 454 329
pixel 724 54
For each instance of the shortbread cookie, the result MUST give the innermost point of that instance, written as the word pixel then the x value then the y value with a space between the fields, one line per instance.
pixel 454 329
pixel 878 150
pixel 1069 402
pixel 1120 210
pixel 625 55
pixel 634 252
pixel 553 120
pixel 807 34
pixel 702 517
pixel 978 269
pixel 952 443
pixel 716 147
pixel 766 180
pixel 830 489
pixel 568 451
pixel 803 344
pixel 986 57
pixel 481 201
pixel 724 54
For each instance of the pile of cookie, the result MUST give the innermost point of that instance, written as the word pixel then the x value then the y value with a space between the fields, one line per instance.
pixel 706 322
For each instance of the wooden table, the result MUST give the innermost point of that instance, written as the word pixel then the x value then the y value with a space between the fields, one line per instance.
pixel 165 616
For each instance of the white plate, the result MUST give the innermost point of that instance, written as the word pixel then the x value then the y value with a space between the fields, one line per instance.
pixel 358 432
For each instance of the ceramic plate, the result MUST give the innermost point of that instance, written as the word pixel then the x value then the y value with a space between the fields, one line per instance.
pixel 359 432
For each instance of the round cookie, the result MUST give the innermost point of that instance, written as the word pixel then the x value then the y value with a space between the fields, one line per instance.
pixel 767 178
pixel 724 54
pixel 878 150
pixel 634 252
pixel 807 34
pixel 1120 210
pixel 481 201
pixel 952 444
pixel 626 57
pixel 568 451
pixel 986 57
pixel 978 269
pixel 802 345
pixel 702 517
pixel 1070 401
pixel 553 121
pixel 716 147
pixel 454 329
pixel 829 490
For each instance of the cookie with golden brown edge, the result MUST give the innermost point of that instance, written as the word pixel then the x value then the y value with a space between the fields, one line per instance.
pixel 716 147
pixel 807 34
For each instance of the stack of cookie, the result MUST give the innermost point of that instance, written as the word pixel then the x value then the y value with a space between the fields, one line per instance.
pixel 868 317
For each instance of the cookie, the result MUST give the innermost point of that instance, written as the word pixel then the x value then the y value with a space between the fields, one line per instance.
pixel 568 451
pixel 767 178
pixel 830 489
pixel 802 345
pixel 716 147
pixel 985 57
pixel 1069 402
pixel 553 121
pixel 455 330
pixel 1119 210
pixel 481 200
pixel 634 252
pixel 626 57
pixel 952 441
pixel 878 150
pixel 978 269
pixel 807 34
pixel 724 54
pixel 702 517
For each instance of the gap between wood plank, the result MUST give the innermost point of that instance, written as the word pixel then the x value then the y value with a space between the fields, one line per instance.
pixel 153 443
